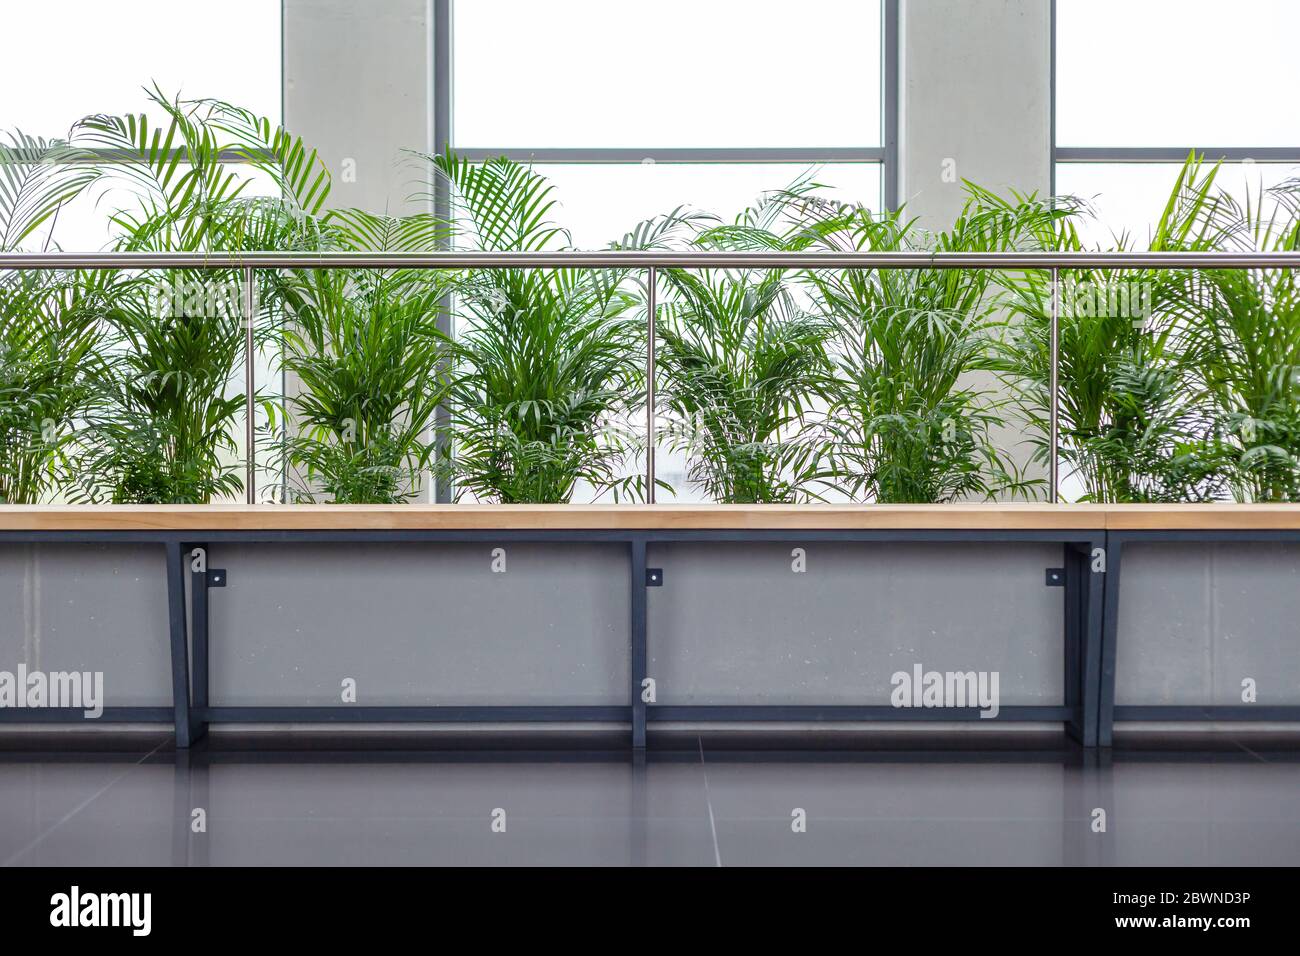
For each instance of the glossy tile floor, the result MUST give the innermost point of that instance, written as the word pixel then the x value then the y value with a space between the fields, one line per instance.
pixel 701 803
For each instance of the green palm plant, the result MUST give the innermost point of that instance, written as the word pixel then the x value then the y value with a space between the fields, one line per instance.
pixel 38 177
pixel 165 432
pixel 908 421
pixel 546 359
pixel 1133 421
pixel 743 364
pixel 49 323
pixel 369 359
pixel 1243 334
pixel 50 336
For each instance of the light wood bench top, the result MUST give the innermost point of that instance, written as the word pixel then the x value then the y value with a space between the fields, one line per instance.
pixel 987 517
pixel 1208 517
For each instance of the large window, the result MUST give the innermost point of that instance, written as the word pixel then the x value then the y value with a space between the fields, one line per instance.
pixel 633 109
pixel 64 60
pixel 1141 85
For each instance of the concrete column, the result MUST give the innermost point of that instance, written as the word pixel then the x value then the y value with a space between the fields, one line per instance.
pixel 975 104
pixel 976 101
pixel 358 86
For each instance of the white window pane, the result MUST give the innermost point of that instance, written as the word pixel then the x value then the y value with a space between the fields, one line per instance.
pixel 1177 73
pixel 673 73
pixel 65 59
pixel 1130 197
pixel 599 204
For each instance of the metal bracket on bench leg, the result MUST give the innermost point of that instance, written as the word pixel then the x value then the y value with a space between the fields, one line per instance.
pixel 1083 606
pixel 180 657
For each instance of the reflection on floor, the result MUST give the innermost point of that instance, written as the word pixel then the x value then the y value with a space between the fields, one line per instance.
pixel 693 801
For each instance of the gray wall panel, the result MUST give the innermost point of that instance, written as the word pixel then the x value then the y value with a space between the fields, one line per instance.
pixel 1197 618
pixel 734 625
pixel 421 624
pixel 89 607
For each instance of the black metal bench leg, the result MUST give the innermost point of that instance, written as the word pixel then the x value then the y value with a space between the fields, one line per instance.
pixel 638 663
pixel 1092 604
pixel 1109 643
pixel 199 645
pixel 176 559
pixel 1083 622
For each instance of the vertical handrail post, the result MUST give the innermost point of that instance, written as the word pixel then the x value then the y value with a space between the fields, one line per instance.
pixel 650 433
pixel 1114 550
pixel 1054 398
pixel 250 385
pixel 444 490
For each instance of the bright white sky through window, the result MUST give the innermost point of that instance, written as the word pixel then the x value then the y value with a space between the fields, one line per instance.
pixel 1129 197
pixel 725 74
pixel 1172 73
pixel 672 73
pixel 64 59
pixel 1177 73
pixel 600 203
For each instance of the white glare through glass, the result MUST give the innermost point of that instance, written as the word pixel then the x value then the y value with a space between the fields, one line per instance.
pixel 673 73
pixel 1130 197
pixel 1177 73
pixel 64 59
pixel 600 203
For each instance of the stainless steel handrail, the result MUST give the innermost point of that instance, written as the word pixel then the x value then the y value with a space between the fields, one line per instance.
pixel 616 259
pixel 652 261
